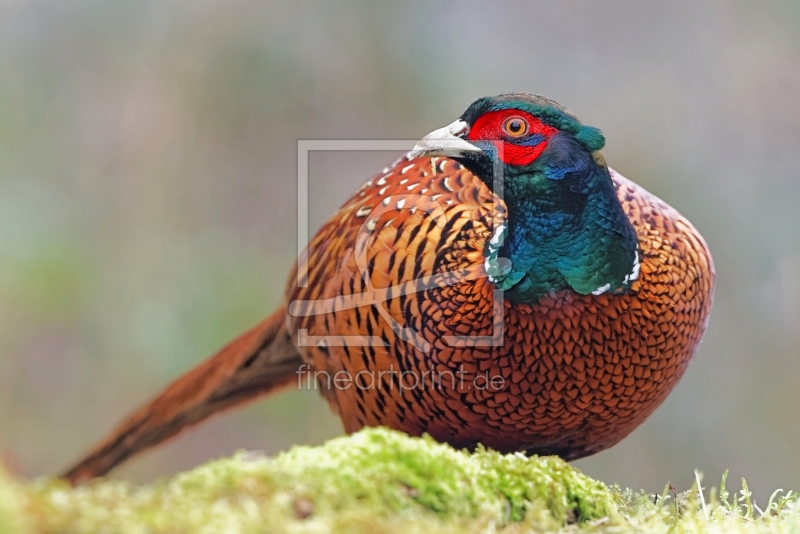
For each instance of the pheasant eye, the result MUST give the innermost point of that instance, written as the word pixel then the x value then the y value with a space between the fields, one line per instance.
pixel 515 127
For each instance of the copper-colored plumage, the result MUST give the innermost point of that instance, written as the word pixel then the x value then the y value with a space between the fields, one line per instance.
pixel 579 372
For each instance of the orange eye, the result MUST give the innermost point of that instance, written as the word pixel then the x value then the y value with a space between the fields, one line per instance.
pixel 515 127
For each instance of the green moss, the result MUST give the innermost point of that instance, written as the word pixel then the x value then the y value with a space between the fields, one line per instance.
pixel 375 481
pixel 13 504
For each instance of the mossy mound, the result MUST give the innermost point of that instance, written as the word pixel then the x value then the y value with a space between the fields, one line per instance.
pixel 374 481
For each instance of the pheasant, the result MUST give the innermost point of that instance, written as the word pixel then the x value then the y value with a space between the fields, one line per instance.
pixel 498 285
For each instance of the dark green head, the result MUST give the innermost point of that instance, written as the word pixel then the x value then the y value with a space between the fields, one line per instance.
pixel 566 227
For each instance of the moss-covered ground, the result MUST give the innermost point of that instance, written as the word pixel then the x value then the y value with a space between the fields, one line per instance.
pixel 379 481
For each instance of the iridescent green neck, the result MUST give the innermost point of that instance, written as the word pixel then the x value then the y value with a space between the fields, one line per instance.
pixel 565 230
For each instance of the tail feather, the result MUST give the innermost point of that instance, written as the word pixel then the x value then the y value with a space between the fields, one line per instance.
pixel 258 362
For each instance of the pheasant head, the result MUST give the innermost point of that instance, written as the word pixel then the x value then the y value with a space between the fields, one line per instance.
pixel 566 228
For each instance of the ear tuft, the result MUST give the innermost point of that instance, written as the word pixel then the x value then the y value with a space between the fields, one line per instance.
pixel 591 137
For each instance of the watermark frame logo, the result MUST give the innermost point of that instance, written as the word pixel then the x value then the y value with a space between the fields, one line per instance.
pixel 376 297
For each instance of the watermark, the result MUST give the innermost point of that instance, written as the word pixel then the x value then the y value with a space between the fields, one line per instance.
pixel 372 296
pixel 391 378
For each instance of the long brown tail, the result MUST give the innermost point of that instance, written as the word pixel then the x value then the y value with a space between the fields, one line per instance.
pixel 257 362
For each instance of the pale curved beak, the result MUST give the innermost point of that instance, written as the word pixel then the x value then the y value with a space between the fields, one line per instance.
pixel 446 142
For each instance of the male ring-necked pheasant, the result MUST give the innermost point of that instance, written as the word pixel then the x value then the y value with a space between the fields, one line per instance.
pixel 556 302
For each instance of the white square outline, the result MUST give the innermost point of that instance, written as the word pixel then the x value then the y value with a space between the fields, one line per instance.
pixel 304 147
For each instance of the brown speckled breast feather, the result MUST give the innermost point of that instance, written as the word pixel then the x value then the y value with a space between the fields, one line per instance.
pixel 399 271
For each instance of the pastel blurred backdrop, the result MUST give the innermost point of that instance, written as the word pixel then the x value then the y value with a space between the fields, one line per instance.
pixel 147 195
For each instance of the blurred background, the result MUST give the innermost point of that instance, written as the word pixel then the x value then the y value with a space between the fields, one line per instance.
pixel 147 196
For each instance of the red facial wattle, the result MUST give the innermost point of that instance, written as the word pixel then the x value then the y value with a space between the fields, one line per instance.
pixel 518 152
